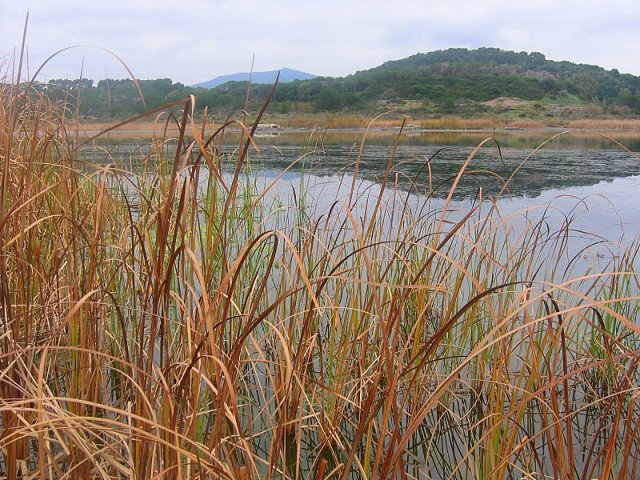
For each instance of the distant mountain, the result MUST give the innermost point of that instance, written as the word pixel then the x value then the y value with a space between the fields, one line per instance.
pixel 286 75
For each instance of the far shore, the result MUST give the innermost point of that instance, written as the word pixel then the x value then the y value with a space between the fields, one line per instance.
pixel 359 125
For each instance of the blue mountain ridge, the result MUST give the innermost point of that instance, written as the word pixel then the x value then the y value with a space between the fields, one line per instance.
pixel 286 75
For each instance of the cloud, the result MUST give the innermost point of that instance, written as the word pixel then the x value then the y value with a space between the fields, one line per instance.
pixel 195 40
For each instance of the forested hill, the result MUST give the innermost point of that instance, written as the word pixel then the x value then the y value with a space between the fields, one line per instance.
pixel 454 81
pixel 488 73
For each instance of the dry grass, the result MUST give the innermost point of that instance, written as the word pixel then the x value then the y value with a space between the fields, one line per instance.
pixel 444 123
pixel 177 321
pixel 308 120
pixel 143 129
pixel 146 129
pixel 525 124
pixel 606 124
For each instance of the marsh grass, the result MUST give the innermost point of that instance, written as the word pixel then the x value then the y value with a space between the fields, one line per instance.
pixel 632 124
pixel 179 321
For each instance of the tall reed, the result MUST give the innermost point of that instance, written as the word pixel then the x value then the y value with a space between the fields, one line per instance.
pixel 182 320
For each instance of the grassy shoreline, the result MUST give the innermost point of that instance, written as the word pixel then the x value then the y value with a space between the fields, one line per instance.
pixel 618 129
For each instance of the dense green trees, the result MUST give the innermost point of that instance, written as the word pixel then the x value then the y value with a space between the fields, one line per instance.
pixel 438 82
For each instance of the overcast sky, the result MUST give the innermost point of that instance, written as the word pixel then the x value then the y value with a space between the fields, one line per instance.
pixel 195 40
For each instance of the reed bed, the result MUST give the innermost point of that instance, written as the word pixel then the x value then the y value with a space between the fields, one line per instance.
pixel 342 120
pixel 181 320
pixel 632 124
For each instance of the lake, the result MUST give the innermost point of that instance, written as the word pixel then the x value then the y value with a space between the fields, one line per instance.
pixel 583 174
pixel 587 175
pixel 579 183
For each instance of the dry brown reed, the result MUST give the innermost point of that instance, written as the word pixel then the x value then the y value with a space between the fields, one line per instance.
pixel 179 320
pixel 606 124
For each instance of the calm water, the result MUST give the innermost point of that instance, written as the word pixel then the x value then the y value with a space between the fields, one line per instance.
pixel 489 169
pixel 591 177
pixel 584 176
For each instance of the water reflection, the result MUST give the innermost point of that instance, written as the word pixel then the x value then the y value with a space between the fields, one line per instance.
pixel 426 169
pixel 427 163
pixel 524 139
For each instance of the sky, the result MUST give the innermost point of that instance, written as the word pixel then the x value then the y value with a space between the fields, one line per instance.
pixel 196 40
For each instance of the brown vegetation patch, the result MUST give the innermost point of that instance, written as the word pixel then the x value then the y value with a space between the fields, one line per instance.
pixel 508 102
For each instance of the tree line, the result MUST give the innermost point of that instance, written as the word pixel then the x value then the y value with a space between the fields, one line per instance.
pixel 441 82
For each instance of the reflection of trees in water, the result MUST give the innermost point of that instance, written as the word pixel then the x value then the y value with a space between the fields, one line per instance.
pixel 489 169
pixel 560 164
pixel 509 139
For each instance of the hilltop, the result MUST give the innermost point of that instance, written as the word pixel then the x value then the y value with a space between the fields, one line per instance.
pixel 469 82
pixel 486 81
